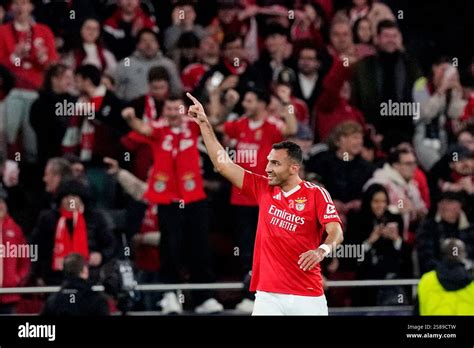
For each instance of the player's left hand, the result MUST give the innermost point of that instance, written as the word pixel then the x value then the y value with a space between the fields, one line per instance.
pixel 196 111
pixel 309 259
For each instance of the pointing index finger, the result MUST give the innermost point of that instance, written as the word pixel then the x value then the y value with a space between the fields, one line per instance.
pixel 194 100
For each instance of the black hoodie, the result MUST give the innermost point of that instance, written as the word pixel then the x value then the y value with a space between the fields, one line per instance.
pixel 453 276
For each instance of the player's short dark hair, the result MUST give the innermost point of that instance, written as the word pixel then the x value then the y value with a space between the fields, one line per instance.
pixel 90 72
pixel 386 24
pixel 395 155
pixel 73 265
pixel 158 73
pixel 294 150
pixel 261 94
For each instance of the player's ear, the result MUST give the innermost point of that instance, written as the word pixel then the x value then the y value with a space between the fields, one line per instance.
pixel 295 168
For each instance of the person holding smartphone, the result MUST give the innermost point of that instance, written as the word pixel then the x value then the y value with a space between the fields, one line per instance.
pixel 440 97
pixel 380 233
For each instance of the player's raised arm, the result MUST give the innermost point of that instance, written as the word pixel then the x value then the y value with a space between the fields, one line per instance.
pixel 219 157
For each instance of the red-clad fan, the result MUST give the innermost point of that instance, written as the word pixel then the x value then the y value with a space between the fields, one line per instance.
pixel 27 49
pixel 176 186
pixel 121 29
pixel 13 268
pixel 283 92
pixel 255 133
pixel 209 55
pixel 147 107
pixel 294 216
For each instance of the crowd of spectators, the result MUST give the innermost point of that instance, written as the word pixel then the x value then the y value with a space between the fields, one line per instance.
pixel 95 143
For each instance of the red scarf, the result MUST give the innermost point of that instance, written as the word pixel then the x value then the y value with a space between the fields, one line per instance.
pixel 150 113
pixel 65 243
pixel 236 70
pixel 80 134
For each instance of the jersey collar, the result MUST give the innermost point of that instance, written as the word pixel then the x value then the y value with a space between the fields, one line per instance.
pixel 289 193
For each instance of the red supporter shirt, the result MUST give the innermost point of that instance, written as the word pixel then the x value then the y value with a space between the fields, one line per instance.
pixel 252 137
pixel 176 173
pixel 301 110
pixel 28 70
pixel 289 224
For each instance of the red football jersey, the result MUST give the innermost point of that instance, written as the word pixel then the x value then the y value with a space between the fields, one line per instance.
pixel 289 224
pixel 252 138
pixel 176 173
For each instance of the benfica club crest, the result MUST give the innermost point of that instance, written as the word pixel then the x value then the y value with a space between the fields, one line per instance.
pixel 189 182
pixel 160 183
pixel 300 203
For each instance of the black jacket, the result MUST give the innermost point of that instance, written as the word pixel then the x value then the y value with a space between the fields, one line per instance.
pixel 382 258
pixel 453 276
pixel 109 128
pixel 430 235
pixel 48 126
pixel 371 87
pixel 250 78
pixel 100 240
pixel 344 179
pixel 326 64
pixel 263 66
pixel 76 298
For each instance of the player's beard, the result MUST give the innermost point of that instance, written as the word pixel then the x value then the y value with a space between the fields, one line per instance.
pixel 275 180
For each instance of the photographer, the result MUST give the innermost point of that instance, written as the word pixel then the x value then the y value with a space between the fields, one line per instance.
pixel 76 297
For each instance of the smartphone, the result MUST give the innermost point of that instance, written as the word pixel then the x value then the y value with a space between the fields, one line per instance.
pixel 10 174
pixel 450 71
pixel 216 80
